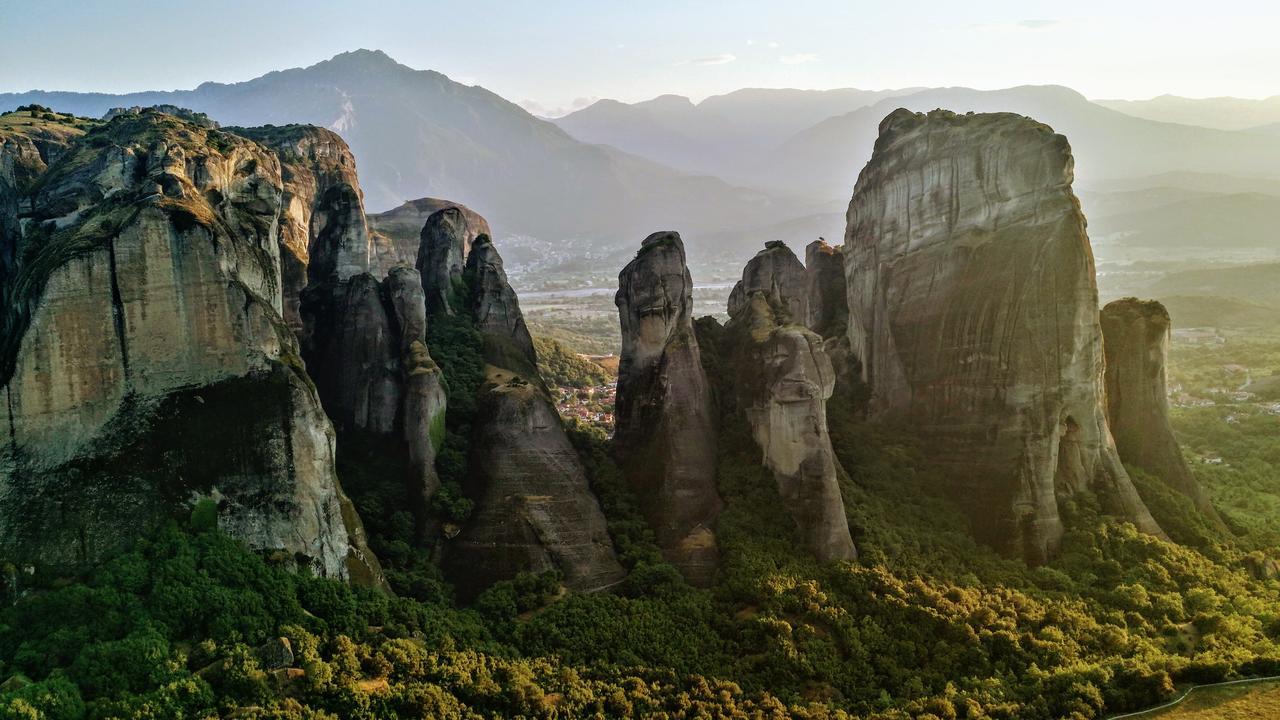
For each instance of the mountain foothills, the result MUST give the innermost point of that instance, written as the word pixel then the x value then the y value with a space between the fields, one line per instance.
pixel 269 455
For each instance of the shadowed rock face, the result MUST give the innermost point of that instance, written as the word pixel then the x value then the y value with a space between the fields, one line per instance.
pixel 973 307
pixel 534 510
pixel 147 367
pixel 826 289
pixel 783 382
pixel 444 248
pixel 496 310
pixel 776 272
pixel 322 202
pixel 397 233
pixel 666 437
pixel 1136 342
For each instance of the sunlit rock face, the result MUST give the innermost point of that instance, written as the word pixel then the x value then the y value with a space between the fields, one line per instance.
pixel 666 435
pixel 1135 337
pixel 974 310
pixel 783 381
pixel 322 202
pixel 146 365
pixel 534 509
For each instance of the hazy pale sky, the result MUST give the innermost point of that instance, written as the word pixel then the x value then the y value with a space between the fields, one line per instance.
pixel 550 53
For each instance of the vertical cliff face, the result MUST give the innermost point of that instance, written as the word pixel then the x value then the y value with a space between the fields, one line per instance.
pixel 826 290
pixel 534 510
pixel 1135 337
pixel 322 202
pixel 666 436
pixel 445 245
pixel 973 307
pixel 397 233
pixel 782 381
pixel 146 365
pixel 496 310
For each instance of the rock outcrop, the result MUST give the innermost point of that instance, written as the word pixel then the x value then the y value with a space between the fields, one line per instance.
pixel 1135 336
pixel 826 290
pixel 534 509
pixel 778 273
pixel 146 367
pixel 397 233
pixel 782 382
pixel 444 249
pixel 666 435
pixel 973 306
pixel 322 204
pixel 496 310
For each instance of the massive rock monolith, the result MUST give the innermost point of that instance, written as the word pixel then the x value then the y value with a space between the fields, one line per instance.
pixel 146 367
pixel 1135 336
pixel 534 509
pixel 666 435
pixel 782 381
pixel 974 309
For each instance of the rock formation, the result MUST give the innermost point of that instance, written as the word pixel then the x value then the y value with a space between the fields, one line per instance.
pixel 666 436
pixel 776 272
pixel 1135 336
pixel 973 307
pixel 444 248
pixel 534 510
pixel 826 290
pixel 322 203
pixel 397 233
pixel 146 367
pixel 782 382
pixel 496 310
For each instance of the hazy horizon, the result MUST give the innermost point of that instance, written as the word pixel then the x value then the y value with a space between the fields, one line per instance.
pixel 556 59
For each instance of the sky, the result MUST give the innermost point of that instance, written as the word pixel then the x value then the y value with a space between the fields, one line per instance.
pixel 553 56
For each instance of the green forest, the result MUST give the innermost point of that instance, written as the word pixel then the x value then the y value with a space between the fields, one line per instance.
pixel 927 623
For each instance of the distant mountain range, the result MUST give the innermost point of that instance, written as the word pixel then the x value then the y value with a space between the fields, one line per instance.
pixel 732 169
pixel 418 133
pixel 1222 113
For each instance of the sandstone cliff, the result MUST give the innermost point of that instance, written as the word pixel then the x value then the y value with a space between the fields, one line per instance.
pixel 782 382
pixel 666 436
pixel 1135 337
pixel 534 510
pixel 973 307
pixel 826 290
pixel 322 203
pixel 147 368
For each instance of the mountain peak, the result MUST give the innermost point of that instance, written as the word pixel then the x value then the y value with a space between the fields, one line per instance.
pixel 362 59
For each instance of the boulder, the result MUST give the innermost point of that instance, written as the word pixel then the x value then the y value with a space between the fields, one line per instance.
pixel 666 435
pixel 1135 337
pixel 974 309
